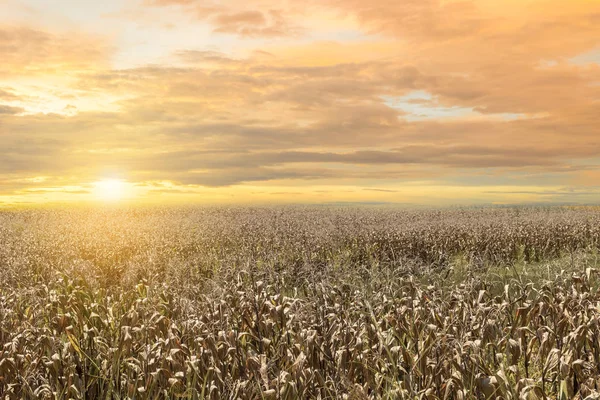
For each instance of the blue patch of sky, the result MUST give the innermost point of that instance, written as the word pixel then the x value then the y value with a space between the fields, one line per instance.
pixel 151 38
pixel 61 12
pixel 420 105
pixel 342 35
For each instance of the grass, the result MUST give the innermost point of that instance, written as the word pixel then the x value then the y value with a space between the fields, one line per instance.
pixel 297 303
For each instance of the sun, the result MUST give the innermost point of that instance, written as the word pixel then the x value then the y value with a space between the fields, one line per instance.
pixel 110 189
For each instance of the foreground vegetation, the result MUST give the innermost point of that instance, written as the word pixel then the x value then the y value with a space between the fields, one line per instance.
pixel 300 303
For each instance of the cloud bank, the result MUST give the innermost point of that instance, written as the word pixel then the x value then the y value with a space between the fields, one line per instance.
pixel 389 100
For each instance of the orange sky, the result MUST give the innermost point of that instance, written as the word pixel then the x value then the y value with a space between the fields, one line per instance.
pixel 260 101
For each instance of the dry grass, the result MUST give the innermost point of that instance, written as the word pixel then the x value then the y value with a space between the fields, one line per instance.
pixel 300 303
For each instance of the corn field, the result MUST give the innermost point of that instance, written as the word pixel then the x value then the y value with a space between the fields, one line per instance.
pixel 300 303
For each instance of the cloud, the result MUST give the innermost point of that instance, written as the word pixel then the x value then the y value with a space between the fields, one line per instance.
pixel 180 124
pixel 232 18
pixel 7 95
pixel 252 23
pixel 8 110
pixel 25 51
pixel 368 94
pixel 420 18
pixel 205 56
pixel 380 190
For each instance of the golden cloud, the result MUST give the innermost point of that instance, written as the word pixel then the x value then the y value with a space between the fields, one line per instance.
pixel 443 91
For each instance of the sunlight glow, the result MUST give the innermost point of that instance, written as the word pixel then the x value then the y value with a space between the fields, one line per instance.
pixel 110 189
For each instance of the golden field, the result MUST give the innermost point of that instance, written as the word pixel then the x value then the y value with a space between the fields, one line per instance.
pixel 300 303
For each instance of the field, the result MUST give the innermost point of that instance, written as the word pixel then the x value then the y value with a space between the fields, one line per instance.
pixel 300 303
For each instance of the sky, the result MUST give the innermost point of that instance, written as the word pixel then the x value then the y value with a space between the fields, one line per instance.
pixel 425 102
